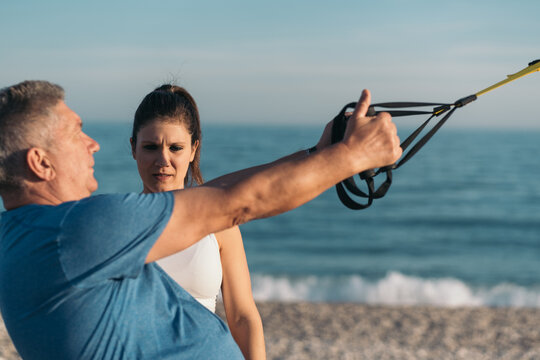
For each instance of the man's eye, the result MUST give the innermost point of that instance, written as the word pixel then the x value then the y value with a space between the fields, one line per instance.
pixel 175 148
pixel 150 147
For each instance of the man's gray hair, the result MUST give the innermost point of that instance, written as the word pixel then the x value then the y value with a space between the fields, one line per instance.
pixel 24 111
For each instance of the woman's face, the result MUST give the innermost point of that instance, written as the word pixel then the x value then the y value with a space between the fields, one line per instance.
pixel 163 152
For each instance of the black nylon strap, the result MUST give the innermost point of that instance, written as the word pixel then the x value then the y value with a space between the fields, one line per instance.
pixel 350 184
pixel 395 113
pixel 405 104
pixel 350 203
pixel 424 139
pixel 405 144
pixel 338 130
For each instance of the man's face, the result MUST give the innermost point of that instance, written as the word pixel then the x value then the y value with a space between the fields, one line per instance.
pixel 72 156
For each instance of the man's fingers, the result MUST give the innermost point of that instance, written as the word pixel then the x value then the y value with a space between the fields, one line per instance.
pixel 363 104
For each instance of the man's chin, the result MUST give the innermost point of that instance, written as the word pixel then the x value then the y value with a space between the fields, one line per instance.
pixel 93 187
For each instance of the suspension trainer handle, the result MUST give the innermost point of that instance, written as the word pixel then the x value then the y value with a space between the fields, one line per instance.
pixel 396 109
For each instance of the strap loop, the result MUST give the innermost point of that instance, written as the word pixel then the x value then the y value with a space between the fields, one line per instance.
pixel 340 123
pixel 338 131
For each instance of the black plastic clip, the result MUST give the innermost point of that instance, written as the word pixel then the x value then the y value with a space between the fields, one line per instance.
pixel 464 101
pixel 367 174
pixel 439 110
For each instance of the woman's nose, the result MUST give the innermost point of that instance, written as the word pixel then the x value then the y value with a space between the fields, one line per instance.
pixel 162 159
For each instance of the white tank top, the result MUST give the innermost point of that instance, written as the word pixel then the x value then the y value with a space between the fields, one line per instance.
pixel 198 270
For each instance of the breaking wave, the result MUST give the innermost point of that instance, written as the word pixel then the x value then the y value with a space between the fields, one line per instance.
pixel 394 289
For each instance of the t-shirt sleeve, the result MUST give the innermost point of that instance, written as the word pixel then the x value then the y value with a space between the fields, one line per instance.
pixel 108 237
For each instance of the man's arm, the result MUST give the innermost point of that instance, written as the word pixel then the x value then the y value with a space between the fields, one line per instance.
pixel 274 188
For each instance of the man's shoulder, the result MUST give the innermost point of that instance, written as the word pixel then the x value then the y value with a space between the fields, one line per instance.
pixel 122 209
pixel 91 214
pixel 33 212
pixel 34 215
pixel 128 200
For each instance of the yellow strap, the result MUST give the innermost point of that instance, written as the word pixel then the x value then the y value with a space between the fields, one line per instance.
pixel 535 66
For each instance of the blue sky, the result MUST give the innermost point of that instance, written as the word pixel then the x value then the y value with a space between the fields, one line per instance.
pixel 279 61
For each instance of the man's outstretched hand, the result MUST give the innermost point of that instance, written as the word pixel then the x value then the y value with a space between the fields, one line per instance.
pixel 373 140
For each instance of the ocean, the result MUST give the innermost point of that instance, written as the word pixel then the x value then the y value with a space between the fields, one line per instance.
pixel 460 225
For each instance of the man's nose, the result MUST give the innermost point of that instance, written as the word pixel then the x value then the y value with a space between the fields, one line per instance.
pixel 93 145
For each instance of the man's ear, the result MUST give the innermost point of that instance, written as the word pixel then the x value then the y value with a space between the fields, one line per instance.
pixel 40 164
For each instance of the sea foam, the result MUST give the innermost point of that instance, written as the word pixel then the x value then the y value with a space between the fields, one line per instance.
pixel 394 289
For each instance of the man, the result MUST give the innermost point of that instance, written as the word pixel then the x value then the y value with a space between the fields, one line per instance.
pixel 77 273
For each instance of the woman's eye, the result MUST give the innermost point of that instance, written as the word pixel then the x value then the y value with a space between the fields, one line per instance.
pixel 175 148
pixel 150 147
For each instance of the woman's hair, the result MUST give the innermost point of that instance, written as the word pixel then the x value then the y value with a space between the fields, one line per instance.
pixel 172 104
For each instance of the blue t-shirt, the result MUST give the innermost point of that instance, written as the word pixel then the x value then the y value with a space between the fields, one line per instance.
pixel 73 285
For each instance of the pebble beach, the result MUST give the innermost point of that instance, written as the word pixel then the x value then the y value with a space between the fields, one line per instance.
pixel 354 331
pixel 357 331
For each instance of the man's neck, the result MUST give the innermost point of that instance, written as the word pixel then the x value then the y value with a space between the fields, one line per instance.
pixel 31 195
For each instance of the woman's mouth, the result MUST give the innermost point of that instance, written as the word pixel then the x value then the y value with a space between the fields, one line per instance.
pixel 162 177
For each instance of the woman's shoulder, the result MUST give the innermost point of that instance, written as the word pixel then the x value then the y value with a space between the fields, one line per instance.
pixel 228 235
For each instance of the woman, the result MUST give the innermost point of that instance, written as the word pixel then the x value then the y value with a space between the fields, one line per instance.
pixel 166 143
